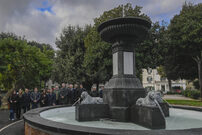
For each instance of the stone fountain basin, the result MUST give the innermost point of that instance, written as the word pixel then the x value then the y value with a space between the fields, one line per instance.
pixel 61 120
pixel 125 27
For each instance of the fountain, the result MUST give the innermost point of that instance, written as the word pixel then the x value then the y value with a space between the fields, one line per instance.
pixel 125 108
pixel 124 88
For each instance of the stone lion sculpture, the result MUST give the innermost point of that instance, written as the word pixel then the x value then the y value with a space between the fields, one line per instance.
pixel 87 99
pixel 150 99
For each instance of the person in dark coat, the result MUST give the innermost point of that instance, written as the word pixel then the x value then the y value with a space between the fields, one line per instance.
pixel 20 103
pixel 12 100
pixel 82 89
pixel 94 92
pixel 63 95
pixel 35 98
pixel 44 99
pixel 101 92
pixel 51 98
pixel 57 91
pixel 77 92
pixel 71 94
pixel 27 100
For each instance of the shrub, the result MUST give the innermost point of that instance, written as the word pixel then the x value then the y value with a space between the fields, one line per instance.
pixel 173 92
pixel 195 94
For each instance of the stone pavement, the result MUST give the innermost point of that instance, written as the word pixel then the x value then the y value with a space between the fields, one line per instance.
pixel 16 129
pixel 4 116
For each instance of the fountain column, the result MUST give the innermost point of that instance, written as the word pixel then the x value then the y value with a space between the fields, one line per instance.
pixel 124 88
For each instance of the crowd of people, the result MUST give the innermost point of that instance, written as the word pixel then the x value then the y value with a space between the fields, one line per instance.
pixel 26 100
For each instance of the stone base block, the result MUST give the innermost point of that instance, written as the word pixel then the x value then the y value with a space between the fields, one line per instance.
pixel 122 97
pixel 147 116
pixel 120 114
pixel 123 91
pixel 91 112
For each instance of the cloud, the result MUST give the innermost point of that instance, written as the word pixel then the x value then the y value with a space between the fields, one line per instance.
pixel 160 10
pixel 43 20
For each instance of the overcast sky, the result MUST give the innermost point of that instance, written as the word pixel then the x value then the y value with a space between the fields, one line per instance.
pixel 43 20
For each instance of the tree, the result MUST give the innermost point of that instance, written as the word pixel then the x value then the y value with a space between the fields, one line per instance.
pixel 185 47
pixel 40 45
pixel 4 35
pixel 98 56
pixel 68 65
pixel 152 51
pixel 164 74
pixel 25 65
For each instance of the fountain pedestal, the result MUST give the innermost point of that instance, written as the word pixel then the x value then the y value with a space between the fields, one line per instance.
pixel 124 88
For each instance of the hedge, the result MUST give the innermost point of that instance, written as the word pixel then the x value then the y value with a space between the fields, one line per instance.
pixel 195 94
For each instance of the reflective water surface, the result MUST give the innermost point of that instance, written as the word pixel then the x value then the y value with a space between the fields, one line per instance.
pixel 179 119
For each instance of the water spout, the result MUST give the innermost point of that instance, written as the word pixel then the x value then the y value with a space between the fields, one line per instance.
pixel 167 103
pixel 76 102
pixel 159 108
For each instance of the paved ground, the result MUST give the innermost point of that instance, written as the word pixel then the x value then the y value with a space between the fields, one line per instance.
pixel 4 115
pixel 176 97
pixel 14 127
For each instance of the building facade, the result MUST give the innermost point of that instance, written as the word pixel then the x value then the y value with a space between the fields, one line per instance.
pixel 153 81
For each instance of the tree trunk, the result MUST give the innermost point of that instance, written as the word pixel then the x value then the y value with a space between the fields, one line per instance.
pixel 200 77
pixel 87 85
pixel 97 86
pixel 170 85
pixel 44 84
pixel 198 60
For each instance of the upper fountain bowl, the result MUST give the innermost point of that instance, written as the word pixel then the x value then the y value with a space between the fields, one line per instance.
pixel 130 28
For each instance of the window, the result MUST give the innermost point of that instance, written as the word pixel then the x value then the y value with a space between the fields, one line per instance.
pixel 149 79
pixel 149 71
pixel 163 78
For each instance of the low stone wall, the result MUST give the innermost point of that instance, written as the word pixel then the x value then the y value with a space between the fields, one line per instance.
pixel 29 130
pixel 36 125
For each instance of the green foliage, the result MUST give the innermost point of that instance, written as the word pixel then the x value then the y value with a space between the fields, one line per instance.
pixel 26 66
pixel 161 71
pixel 184 55
pixel 70 55
pixel 4 35
pixel 185 102
pixel 196 84
pixel 40 45
pixel 151 52
pixel 185 42
pixel 195 94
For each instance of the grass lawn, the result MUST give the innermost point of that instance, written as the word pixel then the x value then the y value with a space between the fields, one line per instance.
pixel 185 102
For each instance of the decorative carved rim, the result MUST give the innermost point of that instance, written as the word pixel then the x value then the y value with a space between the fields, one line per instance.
pixel 130 28
pixel 125 20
